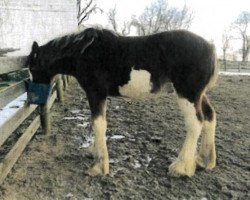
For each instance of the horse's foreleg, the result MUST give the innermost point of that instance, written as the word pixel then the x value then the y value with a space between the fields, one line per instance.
pixel 99 149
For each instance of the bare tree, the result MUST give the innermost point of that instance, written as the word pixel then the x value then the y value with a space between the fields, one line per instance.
pixel 124 29
pixel 85 9
pixel 241 25
pixel 112 18
pixel 225 46
pixel 159 16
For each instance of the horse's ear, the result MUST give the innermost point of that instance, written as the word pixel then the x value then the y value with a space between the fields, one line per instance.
pixel 35 47
pixel 35 50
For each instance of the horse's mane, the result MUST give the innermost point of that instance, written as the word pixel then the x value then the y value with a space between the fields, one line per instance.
pixel 72 43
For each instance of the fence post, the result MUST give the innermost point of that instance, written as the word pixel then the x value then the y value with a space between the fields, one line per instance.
pixel 45 119
pixel 225 64
pixel 65 81
pixel 68 78
pixel 59 88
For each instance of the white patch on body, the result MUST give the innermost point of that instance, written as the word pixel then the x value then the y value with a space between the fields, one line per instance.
pixel 138 86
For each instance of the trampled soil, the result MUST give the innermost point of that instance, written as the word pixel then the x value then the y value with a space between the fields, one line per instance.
pixel 143 138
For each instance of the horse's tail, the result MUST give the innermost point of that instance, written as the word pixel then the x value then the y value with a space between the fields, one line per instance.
pixel 215 68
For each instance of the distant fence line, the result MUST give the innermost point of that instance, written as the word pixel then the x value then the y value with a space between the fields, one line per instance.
pixel 229 65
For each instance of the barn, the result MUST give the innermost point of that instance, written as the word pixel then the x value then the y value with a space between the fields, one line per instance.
pixel 23 21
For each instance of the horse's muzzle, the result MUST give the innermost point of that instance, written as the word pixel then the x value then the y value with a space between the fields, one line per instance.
pixel 38 93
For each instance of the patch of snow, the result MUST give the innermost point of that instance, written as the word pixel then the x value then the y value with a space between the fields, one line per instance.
pixel 84 125
pixel 80 118
pixel 89 141
pixel 132 139
pixel 148 160
pixel 82 115
pixel 69 118
pixel 77 117
pixel 117 137
pixel 10 109
pixel 235 73
pixel 69 195
pixel 112 161
pixel 75 111
pixel 137 164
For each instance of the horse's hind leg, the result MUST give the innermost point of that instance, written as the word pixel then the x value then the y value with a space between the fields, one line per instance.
pixel 207 154
pixel 185 164
pixel 100 151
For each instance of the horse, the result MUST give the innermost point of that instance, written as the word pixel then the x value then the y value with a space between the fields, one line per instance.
pixel 107 64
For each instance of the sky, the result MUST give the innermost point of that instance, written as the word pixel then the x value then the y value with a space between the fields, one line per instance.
pixel 211 17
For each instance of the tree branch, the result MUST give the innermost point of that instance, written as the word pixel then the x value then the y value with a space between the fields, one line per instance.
pixel 89 8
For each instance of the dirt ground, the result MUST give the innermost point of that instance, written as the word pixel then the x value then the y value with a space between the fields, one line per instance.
pixel 143 137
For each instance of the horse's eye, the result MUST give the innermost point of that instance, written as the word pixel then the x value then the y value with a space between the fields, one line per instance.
pixel 32 68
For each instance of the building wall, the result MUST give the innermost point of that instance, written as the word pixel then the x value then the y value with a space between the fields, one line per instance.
pixel 23 21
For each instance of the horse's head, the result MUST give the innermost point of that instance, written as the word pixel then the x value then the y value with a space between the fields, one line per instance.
pixel 59 55
pixel 37 66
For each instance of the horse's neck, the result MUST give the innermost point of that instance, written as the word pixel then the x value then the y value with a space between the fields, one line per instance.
pixel 64 65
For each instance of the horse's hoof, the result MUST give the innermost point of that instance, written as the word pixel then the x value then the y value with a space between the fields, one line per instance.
pixel 101 169
pixel 207 164
pixel 182 168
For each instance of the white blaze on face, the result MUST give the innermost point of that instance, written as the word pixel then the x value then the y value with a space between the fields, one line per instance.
pixel 138 86
pixel 31 77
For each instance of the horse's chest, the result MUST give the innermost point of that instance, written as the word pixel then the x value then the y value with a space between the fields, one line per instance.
pixel 139 85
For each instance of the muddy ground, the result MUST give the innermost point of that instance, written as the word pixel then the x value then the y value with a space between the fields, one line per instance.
pixel 143 139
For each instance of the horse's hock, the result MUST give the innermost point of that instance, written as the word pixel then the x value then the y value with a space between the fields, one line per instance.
pixel 14 112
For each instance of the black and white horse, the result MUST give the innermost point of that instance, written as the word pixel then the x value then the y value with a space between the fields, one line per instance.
pixel 108 64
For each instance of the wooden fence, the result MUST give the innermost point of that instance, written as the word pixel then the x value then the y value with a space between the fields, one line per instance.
pixel 228 65
pixel 12 117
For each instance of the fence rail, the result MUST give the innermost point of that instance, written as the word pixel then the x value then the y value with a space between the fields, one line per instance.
pixel 11 64
pixel 12 92
pixel 228 65
pixel 11 117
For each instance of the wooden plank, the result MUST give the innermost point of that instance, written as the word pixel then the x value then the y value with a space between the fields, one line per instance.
pixel 10 64
pixel 11 124
pixel 45 119
pixel 10 93
pixel 11 158
pixel 45 114
pixel 59 88
pixel 65 81
pixel 52 100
